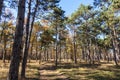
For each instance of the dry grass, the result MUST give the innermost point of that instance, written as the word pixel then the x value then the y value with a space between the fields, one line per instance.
pixel 32 71
pixel 67 71
pixel 82 71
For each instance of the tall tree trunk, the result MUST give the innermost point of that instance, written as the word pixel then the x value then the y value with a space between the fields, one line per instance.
pixel 28 36
pixel 4 41
pixel 36 53
pixel 40 57
pixel 4 49
pixel 99 55
pixel 83 53
pixel 31 50
pixel 115 53
pixel 32 23
pixel 89 51
pixel 74 45
pixel 3 29
pixel 56 47
pixel 26 49
pixel 47 54
pixel 60 52
pixel 17 45
pixel 36 49
pixel 115 47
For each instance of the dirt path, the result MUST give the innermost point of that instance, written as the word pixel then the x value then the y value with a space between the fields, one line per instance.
pixel 49 72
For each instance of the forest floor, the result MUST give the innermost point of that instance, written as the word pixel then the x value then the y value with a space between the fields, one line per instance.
pixel 67 71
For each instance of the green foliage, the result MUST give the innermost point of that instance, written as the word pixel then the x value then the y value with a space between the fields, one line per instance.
pixel 47 37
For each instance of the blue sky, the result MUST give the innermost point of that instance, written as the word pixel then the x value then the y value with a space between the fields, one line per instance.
pixel 69 6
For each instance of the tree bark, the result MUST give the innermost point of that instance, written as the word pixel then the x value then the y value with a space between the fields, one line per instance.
pixel 115 47
pixel 31 50
pixel 28 36
pixel 56 45
pixel 26 49
pixel 4 49
pixel 32 23
pixel 17 45
pixel 60 52
pixel 74 45
pixel 40 56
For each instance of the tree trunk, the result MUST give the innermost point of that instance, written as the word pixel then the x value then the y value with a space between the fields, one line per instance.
pixel 17 45
pixel 28 37
pixel 45 54
pixel 56 45
pixel 31 50
pixel 4 49
pixel 36 53
pixel 89 51
pixel 39 57
pixel 3 37
pixel 3 29
pixel 83 53
pixel 32 23
pixel 74 45
pixel 26 49
pixel 115 44
pixel 60 52
pixel 115 50
pixel 36 49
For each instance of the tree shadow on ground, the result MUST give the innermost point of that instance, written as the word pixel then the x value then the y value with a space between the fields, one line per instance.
pixel 33 72
pixel 68 66
pixel 109 73
pixel 64 70
pixel 72 71
pixel 32 79
pixel 99 77
pixel 53 77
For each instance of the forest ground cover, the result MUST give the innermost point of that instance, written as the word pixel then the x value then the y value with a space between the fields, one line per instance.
pixel 67 71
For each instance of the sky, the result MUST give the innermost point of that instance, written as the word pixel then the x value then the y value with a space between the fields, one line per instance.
pixel 69 6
